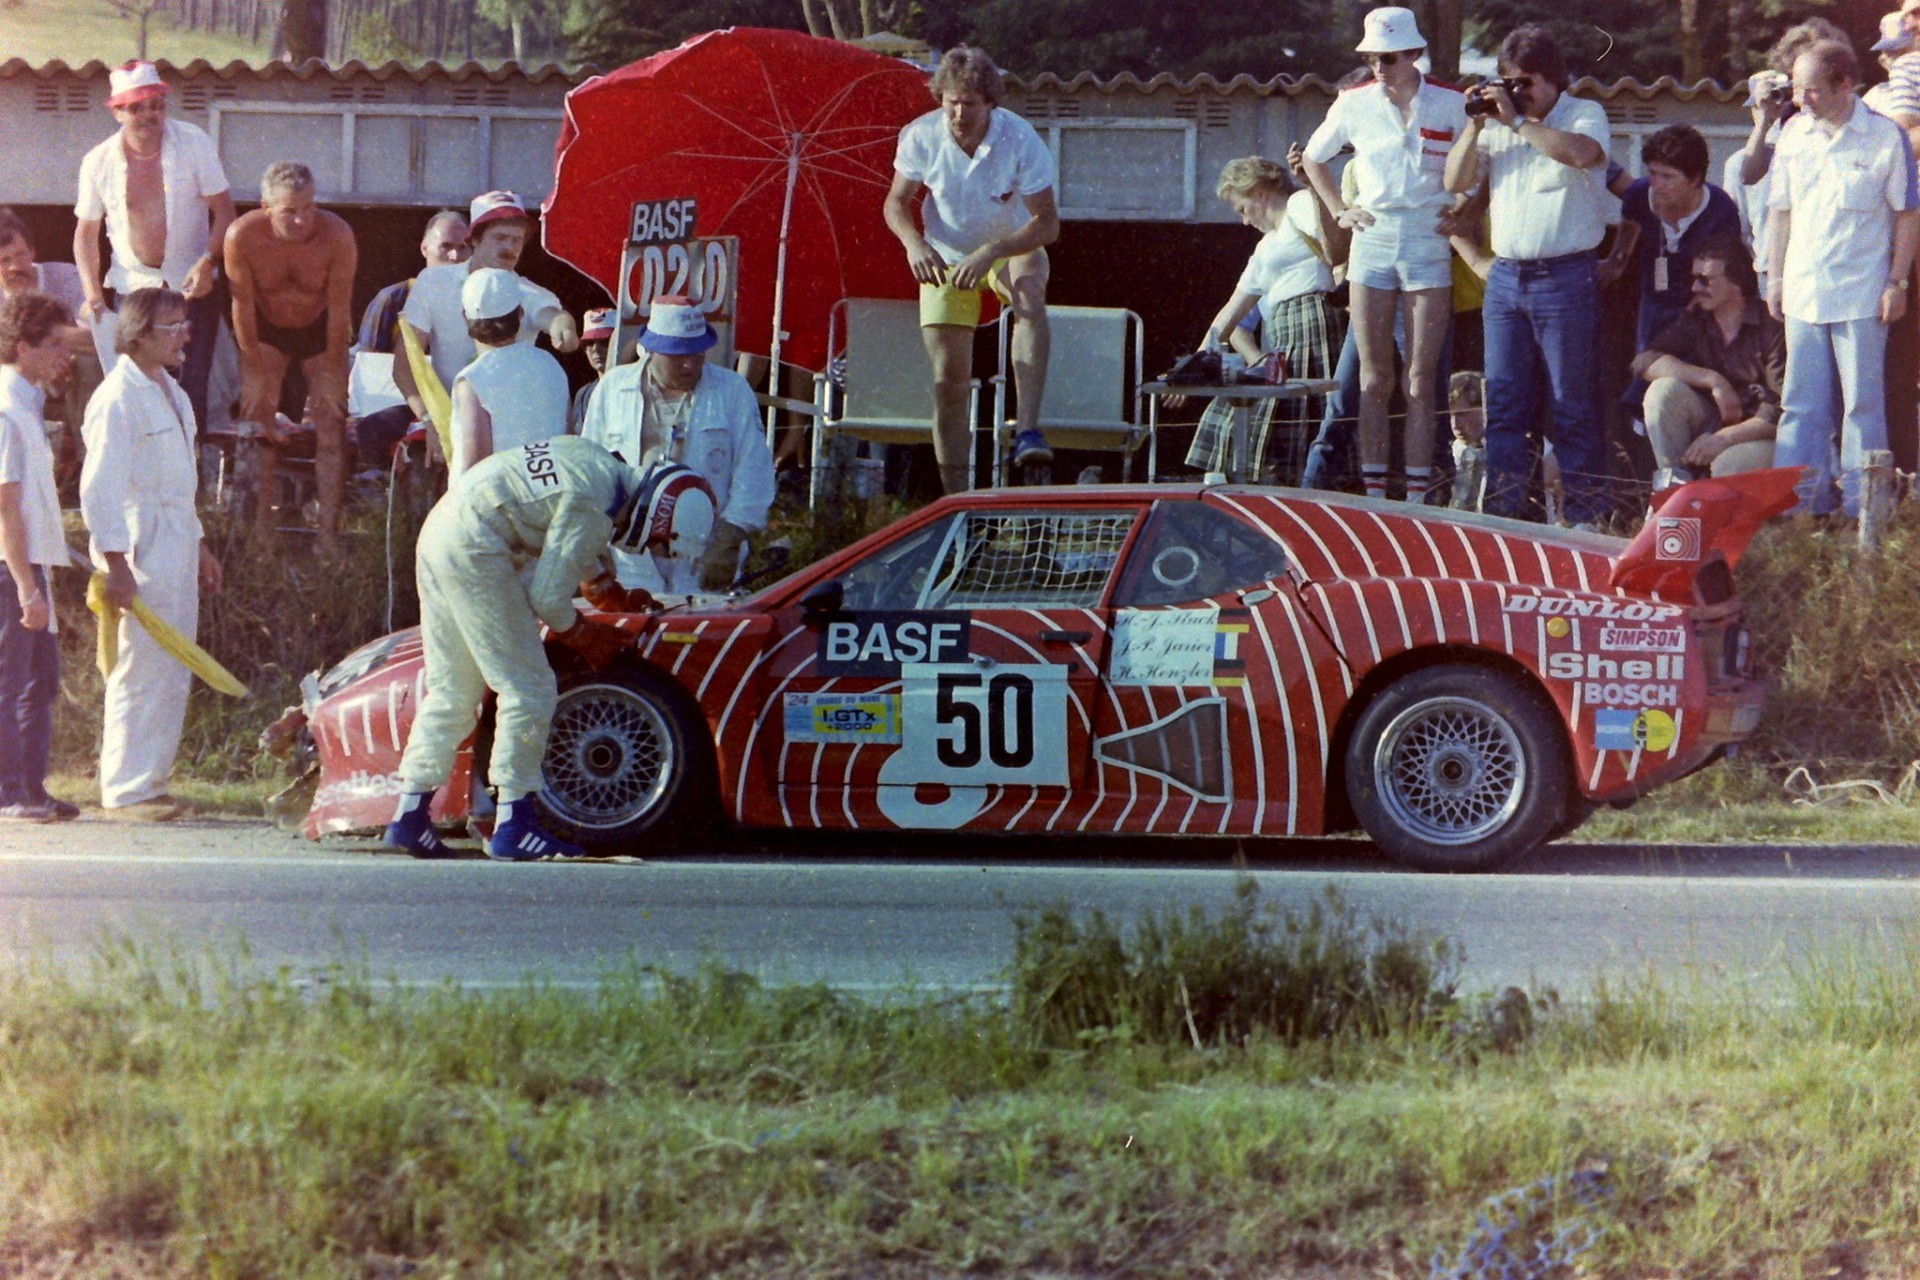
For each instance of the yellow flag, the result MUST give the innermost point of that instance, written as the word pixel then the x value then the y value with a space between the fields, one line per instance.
pixel 433 392
pixel 191 655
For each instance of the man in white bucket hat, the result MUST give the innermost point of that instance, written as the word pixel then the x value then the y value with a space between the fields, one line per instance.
pixel 158 189
pixel 675 406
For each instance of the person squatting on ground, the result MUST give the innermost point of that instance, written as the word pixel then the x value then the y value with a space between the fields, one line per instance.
pixel 513 393
pixel 1715 373
pixel 1843 232
pixel 499 231
pixel 989 216
pixel 1665 217
pixel 675 406
pixel 36 357
pixel 137 495
pixel 1286 282
pixel 290 268
pixel 553 506
pixel 1401 126
pixel 158 188
pixel 1544 154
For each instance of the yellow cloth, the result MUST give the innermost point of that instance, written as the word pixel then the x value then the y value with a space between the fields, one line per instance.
pixel 191 655
pixel 947 304
pixel 433 392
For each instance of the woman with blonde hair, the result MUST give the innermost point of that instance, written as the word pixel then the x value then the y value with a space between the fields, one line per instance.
pixel 1288 278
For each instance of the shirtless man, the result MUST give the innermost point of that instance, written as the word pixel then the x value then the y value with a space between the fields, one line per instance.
pixel 290 265
pixel 155 186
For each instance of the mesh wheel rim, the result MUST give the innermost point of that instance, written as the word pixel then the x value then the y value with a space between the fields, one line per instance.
pixel 1451 771
pixel 610 756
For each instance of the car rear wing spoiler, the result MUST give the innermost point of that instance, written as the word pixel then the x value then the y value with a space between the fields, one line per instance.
pixel 1700 523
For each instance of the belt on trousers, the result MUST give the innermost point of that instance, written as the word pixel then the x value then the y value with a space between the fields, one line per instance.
pixel 1542 264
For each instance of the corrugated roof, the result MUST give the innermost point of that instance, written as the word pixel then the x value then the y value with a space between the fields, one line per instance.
pixel 314 68
pixel 1291 86
pixel 1045 82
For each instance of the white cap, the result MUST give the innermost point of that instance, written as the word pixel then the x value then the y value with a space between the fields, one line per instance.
pixel 1762 83
pixel 1390 30
pixel 132 81
pixel 492 207
pixel 489 293
pixel 1893 34
pixel 597 324
pixel 675 327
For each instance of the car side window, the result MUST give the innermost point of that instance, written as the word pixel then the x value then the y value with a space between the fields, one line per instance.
pixel 1194 551
pixel 1048 559
pixel 895 576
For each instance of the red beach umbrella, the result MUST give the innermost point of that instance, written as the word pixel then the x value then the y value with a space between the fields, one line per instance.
pixel 785 140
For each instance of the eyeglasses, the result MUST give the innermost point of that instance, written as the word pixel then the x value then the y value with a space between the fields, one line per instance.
pixel 146 107
pixel 1702 279
pixel 176 327
pixel 1382 59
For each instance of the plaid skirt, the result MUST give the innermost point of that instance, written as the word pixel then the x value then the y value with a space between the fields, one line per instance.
pixel 1309 330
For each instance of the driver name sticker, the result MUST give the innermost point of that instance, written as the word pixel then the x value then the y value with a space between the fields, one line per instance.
pixel 967 724
pixel 1166 646
pixel 842 717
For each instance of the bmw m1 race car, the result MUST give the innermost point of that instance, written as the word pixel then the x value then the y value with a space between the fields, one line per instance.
pixel 1188 660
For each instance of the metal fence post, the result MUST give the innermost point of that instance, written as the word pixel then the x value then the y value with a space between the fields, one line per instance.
pixel 1876 498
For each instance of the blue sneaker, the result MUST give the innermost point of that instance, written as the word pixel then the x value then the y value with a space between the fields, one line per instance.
pixel 1030 449
pixel 518 837
pixel 412 828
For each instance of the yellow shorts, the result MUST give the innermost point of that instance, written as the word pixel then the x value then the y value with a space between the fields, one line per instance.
pixel 944 304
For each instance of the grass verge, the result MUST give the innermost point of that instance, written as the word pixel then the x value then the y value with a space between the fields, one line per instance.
pixel 180 1117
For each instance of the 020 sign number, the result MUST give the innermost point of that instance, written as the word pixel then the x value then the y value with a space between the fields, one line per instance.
pixel 1002 723
pixel 701 271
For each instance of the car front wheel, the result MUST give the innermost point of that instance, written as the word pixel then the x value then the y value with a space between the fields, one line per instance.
pixel 1458 768
pixel 626 758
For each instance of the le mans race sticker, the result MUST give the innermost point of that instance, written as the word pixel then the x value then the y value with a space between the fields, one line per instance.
pixel 1632 730
pixel 855 718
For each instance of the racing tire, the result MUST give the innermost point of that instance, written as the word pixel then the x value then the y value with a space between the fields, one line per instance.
pixel 1458 768
pixel 628 765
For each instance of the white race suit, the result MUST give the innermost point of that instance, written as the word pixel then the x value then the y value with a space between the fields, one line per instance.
pixel 136 493
pixel 550 505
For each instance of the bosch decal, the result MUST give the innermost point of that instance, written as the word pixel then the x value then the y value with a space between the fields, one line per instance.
pixel 1560 606
pixel 875 644
pixel 842 717
pixel 1621 682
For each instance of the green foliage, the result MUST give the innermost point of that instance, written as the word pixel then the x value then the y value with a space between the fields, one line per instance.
pixel 1253 971
pixel 1609 39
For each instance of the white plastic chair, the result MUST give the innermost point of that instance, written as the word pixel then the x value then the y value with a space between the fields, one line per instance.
pixel 1092 398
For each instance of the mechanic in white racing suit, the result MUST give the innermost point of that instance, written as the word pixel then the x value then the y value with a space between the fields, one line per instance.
pixel 553 506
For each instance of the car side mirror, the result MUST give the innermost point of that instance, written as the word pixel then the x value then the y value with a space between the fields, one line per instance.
pixel 823 601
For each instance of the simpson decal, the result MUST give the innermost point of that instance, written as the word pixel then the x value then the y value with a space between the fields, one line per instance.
pixel 842 717
pixel 877 644
pixel 1575 607
pixel 1644 639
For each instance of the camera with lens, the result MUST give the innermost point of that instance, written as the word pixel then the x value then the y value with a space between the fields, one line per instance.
pixel 1480 102
pixel 1781 99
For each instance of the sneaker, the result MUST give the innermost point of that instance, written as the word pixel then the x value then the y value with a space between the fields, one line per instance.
pixel 27 811
pixel 1030 448
pixel 161 808
pixel 62 811
pixel 519 838
pixel 413 831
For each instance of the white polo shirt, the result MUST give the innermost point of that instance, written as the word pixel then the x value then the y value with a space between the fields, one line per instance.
pixel 1399 163
pixel 1752 200
pixel 190 164
pixel 1843 187
pixel 975 199
pixel 1284 264
pixel 1540 207
pixel 433 307
pixel 26 459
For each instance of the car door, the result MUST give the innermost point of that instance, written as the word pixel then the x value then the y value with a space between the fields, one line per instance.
pixel 955 684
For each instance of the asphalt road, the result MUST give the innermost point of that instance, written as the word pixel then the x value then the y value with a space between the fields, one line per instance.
pixel 874 913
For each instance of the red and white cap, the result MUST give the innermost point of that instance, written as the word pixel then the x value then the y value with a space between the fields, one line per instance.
pixel 1390 30
pixel 492 207
pixel 597 324
pixel 132 82
pixel 671 515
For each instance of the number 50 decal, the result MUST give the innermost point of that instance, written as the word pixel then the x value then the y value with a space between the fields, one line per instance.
pixel 970 724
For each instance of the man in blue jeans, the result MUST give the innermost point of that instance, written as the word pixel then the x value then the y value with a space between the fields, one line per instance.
pixel 1841 233
pixel 1544 154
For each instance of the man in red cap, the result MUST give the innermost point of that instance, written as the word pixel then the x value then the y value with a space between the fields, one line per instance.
pixel 596 333
pixel 498 229
pixel 159 190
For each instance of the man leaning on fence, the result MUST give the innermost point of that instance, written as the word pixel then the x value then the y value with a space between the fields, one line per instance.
pixel 1843 230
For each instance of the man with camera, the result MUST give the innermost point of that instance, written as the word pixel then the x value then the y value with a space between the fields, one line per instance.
pixel 1842 234
pixel 1543 154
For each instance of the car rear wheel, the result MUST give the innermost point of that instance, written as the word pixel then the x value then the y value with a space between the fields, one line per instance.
pixel 1458 768
pixel 626 758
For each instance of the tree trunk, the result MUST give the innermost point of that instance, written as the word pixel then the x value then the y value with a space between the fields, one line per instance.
pixel 303 30
pixel 869 19
pixel 1693 55
pixel 810 10
pixel 1445 20
pixel 146 16
pixel 1739 39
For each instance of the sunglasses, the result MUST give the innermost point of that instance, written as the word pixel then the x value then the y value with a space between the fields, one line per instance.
pixel 146 107
pixel 1383 59
pixel 1701 280
pixel 176 327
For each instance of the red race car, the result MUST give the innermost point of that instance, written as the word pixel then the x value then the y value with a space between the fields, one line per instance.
pixel 1190 660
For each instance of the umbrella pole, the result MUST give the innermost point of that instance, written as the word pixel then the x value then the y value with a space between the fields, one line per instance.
pixel 774 389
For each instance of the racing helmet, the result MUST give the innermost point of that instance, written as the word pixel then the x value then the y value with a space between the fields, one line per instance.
pixel 672 513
